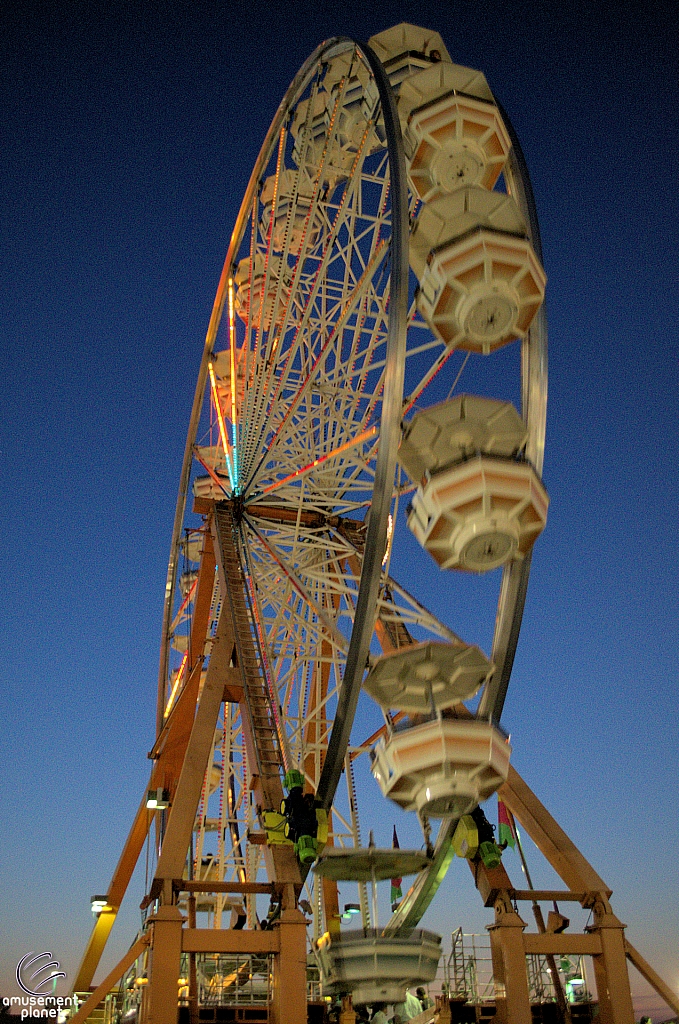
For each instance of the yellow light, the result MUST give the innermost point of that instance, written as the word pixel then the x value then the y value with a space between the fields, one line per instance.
pixel 158 799
pixel 220 420
pixel 234 382
pixel 177 681
pixel 390 534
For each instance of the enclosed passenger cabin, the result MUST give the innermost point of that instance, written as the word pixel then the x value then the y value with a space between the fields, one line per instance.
pixel 478 503
pixel 431 762
pixel 481 283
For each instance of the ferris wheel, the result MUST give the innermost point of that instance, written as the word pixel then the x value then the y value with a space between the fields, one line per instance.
pixel 373 381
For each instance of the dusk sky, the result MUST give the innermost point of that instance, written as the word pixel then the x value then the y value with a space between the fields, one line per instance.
pixel 129 131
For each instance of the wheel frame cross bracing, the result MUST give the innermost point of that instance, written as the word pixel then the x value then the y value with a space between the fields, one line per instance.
pixel 374 542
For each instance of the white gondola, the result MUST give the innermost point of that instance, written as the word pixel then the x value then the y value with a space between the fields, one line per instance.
pixel 479 514
pixel 375 967
pixel 481 283
pixel 427 677
pixel 406 49
pixel 443 767
pixel 453 132
pixel 478 504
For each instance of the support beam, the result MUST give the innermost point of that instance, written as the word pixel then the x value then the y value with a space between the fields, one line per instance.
pixel 94 948
pixel 289 1004
pixel 610 966
pixel 102 990
pixel 199 624
pixel 185 804
pixel 166 951
pixel 605 941
pixel 490 881
pixel 563 944
pixel 244 888
pixel 548 895
pixel 230 940
pixel 169 754
pixel 509 964
pixel 550 839
pixel 653 979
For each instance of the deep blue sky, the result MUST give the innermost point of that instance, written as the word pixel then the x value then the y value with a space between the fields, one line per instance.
pixel 128 134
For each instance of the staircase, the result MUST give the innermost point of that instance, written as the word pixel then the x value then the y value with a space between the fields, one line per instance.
pixel 261 703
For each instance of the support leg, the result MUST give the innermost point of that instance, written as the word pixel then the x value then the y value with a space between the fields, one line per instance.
pixel 509 964
pixel 193 978
pixel 289 981
pixel 166 951
pixel 610 967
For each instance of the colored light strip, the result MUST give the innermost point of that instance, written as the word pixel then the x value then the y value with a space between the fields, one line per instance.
pixel 177 681
pixel 427 379
pixel 234 382
pixel 222 424
pixel 232 813
pixel 365 436
pixel 175 621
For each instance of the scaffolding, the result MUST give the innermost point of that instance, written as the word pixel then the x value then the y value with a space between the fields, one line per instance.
pixel 468 973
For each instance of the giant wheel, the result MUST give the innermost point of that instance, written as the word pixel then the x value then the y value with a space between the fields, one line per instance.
pixel 385 262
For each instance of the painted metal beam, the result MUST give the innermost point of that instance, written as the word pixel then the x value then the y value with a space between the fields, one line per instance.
pixel 563 944
pixel 653 979
pixel 229 940
pixel 550 839
pixel 182 817
pixel 109 981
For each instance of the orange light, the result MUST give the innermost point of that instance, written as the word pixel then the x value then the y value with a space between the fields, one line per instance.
pixel 365 436
pixel 177 681
pixel 220 420
pixel 184 603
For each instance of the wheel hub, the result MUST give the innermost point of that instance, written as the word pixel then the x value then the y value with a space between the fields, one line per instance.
pixel 488 313
pixel 488 551
pixel 457 166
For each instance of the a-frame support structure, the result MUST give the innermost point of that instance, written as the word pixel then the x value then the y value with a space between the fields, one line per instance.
pixel 180 760
pixel 604 940
pixel 181 757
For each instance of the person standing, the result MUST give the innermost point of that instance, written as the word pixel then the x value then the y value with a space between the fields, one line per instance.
pixel 408 1009
pixel 425 1000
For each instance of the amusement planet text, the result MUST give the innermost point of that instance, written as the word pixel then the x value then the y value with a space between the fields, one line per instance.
pixel 40 1006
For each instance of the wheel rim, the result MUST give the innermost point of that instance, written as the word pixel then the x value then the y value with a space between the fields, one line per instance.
pixel 312 440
